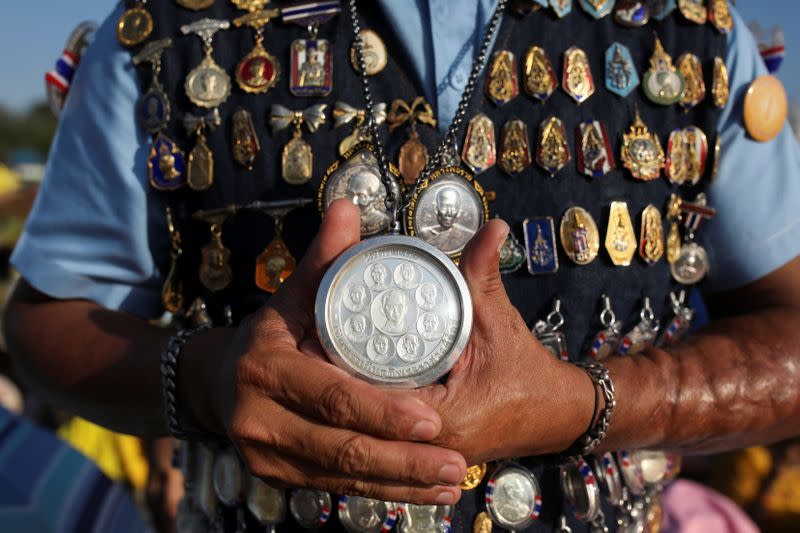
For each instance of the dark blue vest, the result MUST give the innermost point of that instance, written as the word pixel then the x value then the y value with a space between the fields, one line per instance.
pixel 531 193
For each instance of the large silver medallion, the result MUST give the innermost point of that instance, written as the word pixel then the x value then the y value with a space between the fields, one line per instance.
pixel 513 498
pixel 365 515
pixel 310 508
pixel 692 264
pixel 580 488
pixel 358 178
pixel 447 210
pixel 425 518
pixel 207 85
pixel 394 310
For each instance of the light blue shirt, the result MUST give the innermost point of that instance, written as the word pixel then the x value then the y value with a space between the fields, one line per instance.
pixel 97 230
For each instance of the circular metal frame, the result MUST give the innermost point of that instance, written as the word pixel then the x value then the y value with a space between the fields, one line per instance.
pixel 325 510
pixel 442 517
pixel 361 253
pixel 580 488
pixel 491 498
pixel 631 472
pixel 607 473
pixel 350 525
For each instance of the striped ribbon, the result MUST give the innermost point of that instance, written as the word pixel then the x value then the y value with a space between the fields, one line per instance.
pixel 61 76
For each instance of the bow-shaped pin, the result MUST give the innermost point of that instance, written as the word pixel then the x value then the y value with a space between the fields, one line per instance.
pixel 193 122
pixel 419 110
pixel 281 117
pixel 344 113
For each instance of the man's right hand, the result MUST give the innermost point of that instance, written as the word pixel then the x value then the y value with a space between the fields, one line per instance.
pixel 299 421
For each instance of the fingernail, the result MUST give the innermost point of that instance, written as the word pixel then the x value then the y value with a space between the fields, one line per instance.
pixel 451 474
pixel 446 498
pixel 423 430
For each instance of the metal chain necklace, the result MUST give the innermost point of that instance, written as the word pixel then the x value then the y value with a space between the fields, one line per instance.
pixel 394 309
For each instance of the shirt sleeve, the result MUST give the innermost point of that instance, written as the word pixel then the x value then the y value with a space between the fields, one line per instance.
pixel 96 228
pixel 757 190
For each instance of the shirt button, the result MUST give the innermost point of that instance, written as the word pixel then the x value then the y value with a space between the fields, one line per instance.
pixel 458 79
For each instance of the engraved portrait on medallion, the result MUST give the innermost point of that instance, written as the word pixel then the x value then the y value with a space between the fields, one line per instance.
pixel 376 276
pixel 407 275
pixel 410 348
pixel 448 214
pixel 380 349
pixel 366 513
pixel 359 181
pixel 356 298
pixel 513 498
pixel 357 328
pixel 209 85
pixel 428 296
pixel 430 326
pixel 393 312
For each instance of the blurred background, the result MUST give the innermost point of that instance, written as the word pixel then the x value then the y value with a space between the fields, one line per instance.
pixel 765 482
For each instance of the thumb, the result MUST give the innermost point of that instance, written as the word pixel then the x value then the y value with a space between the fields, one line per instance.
pixel 480 262
pixel 340 229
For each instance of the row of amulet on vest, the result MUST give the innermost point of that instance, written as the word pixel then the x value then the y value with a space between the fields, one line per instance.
pixel 663 82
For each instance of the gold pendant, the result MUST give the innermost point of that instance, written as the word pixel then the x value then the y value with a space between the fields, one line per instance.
pixel 172 290
pixel 134 26
pixel 719 14
pixel 642 153
pixel 479 152
pixel 552 152
pixel 375 55
pixel 274 265
pixel 579 236
pixel 687 153
pixel 246 145
pixel 578 81
pixel 196 5
pixel 540 79
pixel 662 84
pixel 482 523
pixel 502 84
pixel 694 90
pixel 473 477
pixel 200 168
pixel 297 160
pixel 215 269
pixel 258 71
pixel 620 235
pixel 413 158
pixel 515 151
pixel 674 236
pixel 720 90
pixel 694 10
pixel 651 242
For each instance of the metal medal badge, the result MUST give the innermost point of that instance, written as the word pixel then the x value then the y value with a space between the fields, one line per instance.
pixel 540 245
pixel 207 85
pixel 311 66
pixel 394 309
pixel 662 83
pixel 513 497
pixel 550 334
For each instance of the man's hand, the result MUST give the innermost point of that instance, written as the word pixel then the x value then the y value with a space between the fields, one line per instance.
pixel 507 396
pixel 299 421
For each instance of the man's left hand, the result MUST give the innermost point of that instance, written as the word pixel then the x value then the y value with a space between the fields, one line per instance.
pixel 507 396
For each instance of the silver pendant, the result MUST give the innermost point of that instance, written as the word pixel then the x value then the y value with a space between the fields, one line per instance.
pixel 658 468
pixel 447 209
pixel 357 177
pixel 310 508
pixel 513 497
pixel 265 503
pixel 681 321
pixel 228 478
pixel 692 264
pixel 607 473
pixel 580 489
pixel 364 515
pixel 425 518
pixel 394 310
pixel 631 471
pixel 548 333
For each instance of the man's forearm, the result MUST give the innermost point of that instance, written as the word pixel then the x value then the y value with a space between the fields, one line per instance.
pixel 734 384
pixel 99 364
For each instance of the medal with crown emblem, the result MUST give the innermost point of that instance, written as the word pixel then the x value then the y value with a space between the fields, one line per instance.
pixel 651 241
pixel 502 84
pixel 720 91
pixel 515 151
pixel 552 151
pixel 642 153
pixel 540 79
pixel 595 157
pixel 694 10
pixel 621 75
pixel 687 153
pixel 662 83
pixel 620 235
pixel 719 14
pixel 540 245
pixel 479 152
pixel 577 80
pixel 695 89
pixel 579 236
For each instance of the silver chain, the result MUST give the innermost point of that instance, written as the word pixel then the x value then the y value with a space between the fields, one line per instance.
pixel 394 204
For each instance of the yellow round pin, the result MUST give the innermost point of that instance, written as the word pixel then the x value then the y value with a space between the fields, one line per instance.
pixel 765 108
